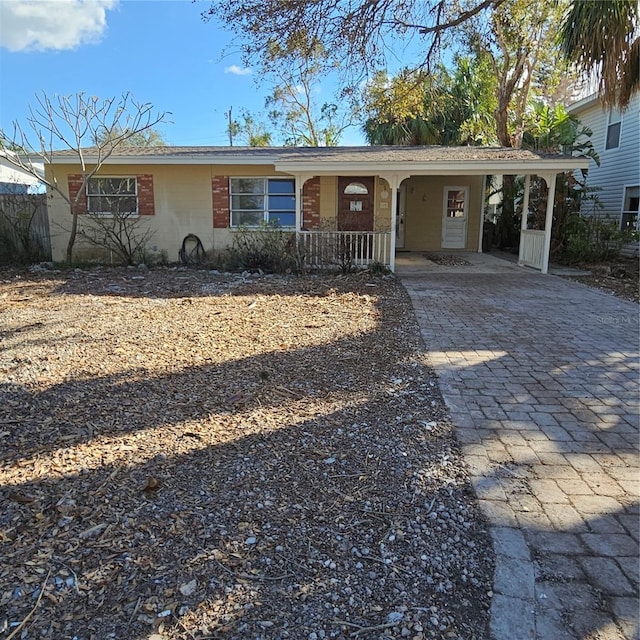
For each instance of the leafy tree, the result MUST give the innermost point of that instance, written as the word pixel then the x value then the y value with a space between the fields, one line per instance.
pixel 148 138
pixel 602 36
pixel 257 135
pixel 396 110
pixel 353 36
pixel 294 110
pixel 251 131
pixel 517 38
pixel 73 123
pixel 438 108
pixel 554 130
pixel 551 130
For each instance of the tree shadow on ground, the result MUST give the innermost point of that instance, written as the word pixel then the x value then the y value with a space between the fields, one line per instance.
pixel 540 376
pixel 148 494
pixel 299 514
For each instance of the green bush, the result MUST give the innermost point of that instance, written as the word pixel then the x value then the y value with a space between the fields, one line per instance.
pixel 592 239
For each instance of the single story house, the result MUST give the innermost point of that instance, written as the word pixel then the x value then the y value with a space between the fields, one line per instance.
pixel 15 181
pixel 374 200
pixel 616 140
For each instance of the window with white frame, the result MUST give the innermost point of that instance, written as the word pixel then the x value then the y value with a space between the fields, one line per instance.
pixel 629 219
pixel 109 196
pixel 258 200
pixel 613 129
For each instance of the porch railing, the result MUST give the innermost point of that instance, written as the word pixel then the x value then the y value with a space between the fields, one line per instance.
pixel 531 248
pixel 344 248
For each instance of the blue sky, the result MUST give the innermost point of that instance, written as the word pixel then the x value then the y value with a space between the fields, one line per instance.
pixel 160 51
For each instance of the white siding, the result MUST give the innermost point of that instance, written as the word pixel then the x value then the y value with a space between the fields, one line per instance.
pixel 619 167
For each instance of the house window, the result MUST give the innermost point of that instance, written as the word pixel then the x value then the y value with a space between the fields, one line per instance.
pixel 258 200
pixel 356 189
pixel 456 199
pixel 613 129
pixel 629 220
pixel 112 196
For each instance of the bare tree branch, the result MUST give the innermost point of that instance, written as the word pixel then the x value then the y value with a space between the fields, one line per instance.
pixel 87 126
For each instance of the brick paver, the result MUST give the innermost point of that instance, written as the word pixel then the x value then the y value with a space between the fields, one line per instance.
pixel 540 375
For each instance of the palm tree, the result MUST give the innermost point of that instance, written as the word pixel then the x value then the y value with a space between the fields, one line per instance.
pixel 602 35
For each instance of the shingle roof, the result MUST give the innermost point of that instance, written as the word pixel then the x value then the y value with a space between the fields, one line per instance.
pixel 429 160
pixel 318 154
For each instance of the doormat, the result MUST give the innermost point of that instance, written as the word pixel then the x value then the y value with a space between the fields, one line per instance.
pixel 447 260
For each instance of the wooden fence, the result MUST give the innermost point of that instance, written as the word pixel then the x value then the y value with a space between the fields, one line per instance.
pixel 24 228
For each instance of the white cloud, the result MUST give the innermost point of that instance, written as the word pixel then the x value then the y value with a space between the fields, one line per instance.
pixel 238 71
pixel 38 25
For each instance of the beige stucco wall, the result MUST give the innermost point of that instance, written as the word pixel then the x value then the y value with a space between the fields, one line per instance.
pixel 424 208
pixel 328 202
pixel 183 205
pixel 382 206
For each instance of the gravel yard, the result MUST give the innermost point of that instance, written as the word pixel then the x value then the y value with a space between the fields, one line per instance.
pixel 190 455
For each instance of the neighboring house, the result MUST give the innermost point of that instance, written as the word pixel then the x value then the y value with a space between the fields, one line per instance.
pixel 16 181
pixel 373 200
pixel 616 140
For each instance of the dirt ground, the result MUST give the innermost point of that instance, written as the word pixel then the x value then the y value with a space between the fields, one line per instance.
pixel 189 455
pixel 619 277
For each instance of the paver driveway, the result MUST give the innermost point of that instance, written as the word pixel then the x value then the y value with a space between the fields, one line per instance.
pixel 541 378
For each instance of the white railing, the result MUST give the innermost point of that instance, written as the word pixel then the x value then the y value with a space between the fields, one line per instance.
pixel 531 248
pixel 344 248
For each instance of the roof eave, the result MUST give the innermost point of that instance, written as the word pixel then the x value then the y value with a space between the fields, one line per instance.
pixel 467 167
pixel 171 159
pixel 584 103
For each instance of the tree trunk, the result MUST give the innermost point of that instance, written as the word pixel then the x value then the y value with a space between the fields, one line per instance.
pixel 507 231
pixel 72 238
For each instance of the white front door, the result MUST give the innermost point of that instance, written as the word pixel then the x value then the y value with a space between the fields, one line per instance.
pixel 400 217
pixel 454 217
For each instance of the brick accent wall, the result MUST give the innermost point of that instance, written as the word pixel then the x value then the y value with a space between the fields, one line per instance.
pixel 146 203
pixel 220 196
pixel 75 185
pixel 311 205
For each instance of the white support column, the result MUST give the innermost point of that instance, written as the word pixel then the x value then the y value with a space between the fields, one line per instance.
pixel 525 214
pixel 550 179
pixel 394 183
pixel 394 180
pixel 483 201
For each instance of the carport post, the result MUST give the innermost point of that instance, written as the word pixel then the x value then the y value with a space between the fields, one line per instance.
pixel 550 179
pixel 525 214
pixel 393 184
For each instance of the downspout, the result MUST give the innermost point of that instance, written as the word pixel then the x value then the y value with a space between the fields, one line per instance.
pixel 299 184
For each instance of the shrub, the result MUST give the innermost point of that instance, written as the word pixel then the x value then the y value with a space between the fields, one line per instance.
pixel 591 239
pixel 267 248
pixel 21 239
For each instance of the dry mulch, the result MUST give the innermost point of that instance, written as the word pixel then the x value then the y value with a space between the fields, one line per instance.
pixel 620 277
pixel 190 455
